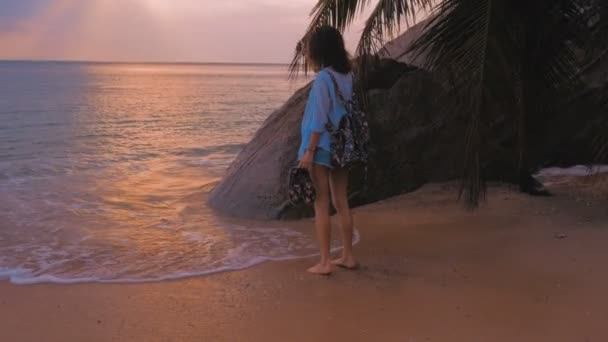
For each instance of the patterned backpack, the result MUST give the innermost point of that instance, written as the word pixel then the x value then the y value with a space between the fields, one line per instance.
pixel 350 140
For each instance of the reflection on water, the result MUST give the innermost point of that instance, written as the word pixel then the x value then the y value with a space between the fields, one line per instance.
pixel 105 169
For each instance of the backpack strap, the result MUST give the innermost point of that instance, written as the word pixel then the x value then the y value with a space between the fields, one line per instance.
pixel 329 127
pixel 337 88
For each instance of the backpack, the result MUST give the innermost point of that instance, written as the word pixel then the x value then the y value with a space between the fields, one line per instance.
pixel 350 140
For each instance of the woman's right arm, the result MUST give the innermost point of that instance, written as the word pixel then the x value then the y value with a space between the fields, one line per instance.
pixel 308 157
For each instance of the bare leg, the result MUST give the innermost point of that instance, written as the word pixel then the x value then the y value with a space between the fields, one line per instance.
pixel 339 192
pixel 320 176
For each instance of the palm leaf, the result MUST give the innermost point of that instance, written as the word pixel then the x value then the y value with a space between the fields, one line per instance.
pixel 553 32
pixel 600 21
pixel 503 61
pixel 601 39
pixel 384 21
pixel 459 46
pixel 506 64
pixel 337 13
pixel 597 49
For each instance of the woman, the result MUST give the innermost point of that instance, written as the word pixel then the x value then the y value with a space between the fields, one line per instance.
pixel 327 55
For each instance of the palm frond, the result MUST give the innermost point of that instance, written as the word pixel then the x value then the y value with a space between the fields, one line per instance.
pixel 337 13
pixel 552 33
pixel 385 21
pixel 503 61
pixel 599 22
pixel 601 140
pixel 603 20
pixel 601 36
pixel 505 64
pixel 461 44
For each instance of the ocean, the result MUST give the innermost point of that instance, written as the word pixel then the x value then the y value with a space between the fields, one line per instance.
pixel 105 170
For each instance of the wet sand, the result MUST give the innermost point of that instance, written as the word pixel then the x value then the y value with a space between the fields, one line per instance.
pixel 518 269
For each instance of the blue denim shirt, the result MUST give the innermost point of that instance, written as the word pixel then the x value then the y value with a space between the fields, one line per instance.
pixel 323 104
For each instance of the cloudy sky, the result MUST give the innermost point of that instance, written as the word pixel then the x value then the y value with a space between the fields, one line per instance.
pixel 155 30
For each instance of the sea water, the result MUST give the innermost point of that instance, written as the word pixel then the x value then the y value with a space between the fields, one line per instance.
pixel 105 170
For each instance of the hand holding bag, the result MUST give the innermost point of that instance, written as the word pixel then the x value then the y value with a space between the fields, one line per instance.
pixel 300 187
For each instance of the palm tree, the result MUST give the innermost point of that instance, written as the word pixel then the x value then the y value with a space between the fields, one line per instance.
pixel 504 63
pixel 385 20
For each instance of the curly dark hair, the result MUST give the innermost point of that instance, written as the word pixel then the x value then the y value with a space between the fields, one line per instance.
pixel 326 49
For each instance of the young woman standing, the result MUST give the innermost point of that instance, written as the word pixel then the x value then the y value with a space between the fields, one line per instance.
pixel 328 56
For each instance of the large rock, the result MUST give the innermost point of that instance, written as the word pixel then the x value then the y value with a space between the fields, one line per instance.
pixel 408 149
pixel 256 181
pixel 397 48
pixel 414 142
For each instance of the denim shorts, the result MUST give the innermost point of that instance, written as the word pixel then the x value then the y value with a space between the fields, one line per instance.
pixel 323 157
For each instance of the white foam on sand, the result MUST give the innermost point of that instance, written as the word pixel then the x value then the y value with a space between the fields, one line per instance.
pixel 574 171
pixel 236 259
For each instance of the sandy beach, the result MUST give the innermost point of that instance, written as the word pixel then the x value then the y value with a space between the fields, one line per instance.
pixel 146 150
pixel 519 269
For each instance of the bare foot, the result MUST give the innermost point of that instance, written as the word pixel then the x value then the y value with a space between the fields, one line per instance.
pixel 346 262
pixel 321 269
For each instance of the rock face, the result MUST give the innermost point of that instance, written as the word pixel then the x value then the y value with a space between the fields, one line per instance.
pixel 408 149
pixel 414 142
pixel 397 48
pixel 401 113
pixel 255 183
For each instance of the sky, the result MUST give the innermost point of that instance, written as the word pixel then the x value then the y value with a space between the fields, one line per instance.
pixel 263 31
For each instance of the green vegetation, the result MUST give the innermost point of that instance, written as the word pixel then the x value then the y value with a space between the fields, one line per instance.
pixel 505 65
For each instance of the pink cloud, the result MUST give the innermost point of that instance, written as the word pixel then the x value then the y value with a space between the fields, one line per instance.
pixel 152 30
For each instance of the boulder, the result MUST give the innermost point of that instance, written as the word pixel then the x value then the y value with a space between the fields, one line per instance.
pixel 255 183
pixel 414 142
pixel 397 48
pixel 408 149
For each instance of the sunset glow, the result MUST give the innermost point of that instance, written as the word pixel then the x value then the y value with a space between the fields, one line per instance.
pixel 154 30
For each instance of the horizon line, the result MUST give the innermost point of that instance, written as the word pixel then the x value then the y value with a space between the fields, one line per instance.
pixel 138 62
